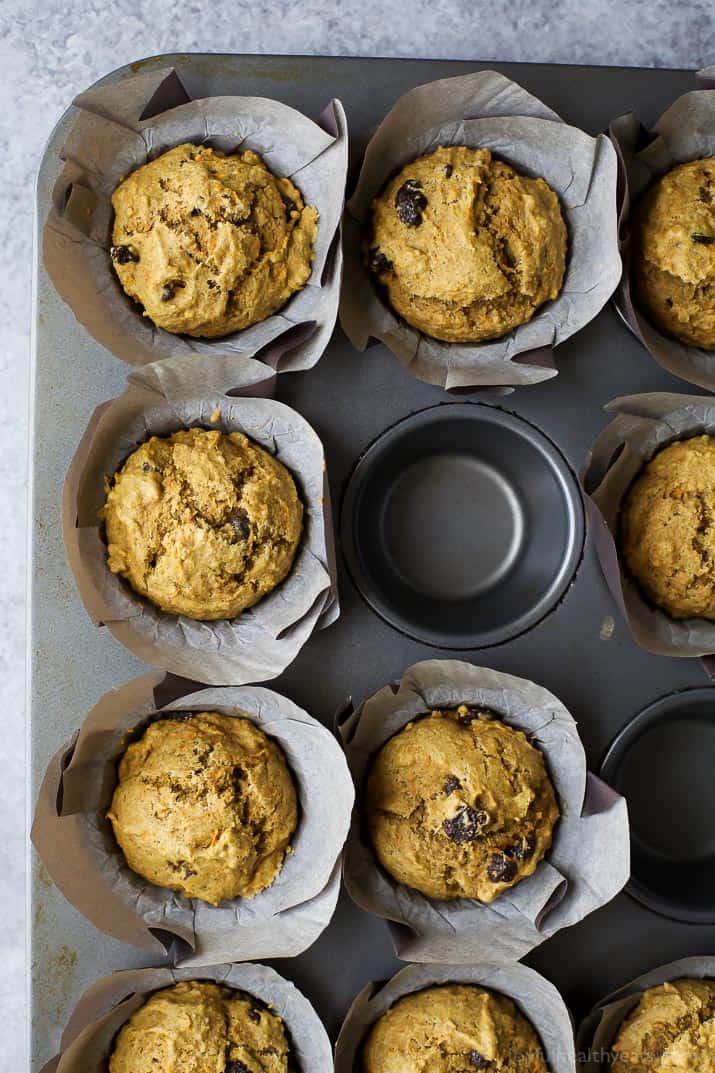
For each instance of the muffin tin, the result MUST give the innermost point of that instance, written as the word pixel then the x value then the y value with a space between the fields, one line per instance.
pixel 581 649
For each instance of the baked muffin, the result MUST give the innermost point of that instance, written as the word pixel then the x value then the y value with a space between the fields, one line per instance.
pixel 453 1028
pixel 201 1027
pixel 205 805
pixel 673 253
pixel 201 523
pixel 667 529
pixel 466 248
pixel 459 805
pixel 671 1030
pixel 209 244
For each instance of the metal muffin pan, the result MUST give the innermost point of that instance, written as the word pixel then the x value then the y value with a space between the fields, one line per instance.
pixel 581 650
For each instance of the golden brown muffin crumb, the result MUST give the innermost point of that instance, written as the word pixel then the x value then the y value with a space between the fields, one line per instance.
pixel 201 1027
pixel 205 804
pixel 459 805
pixel 209 244
pixel 201 523
pixel 673 253
pixel 667 528
pixel 466 248
pixel 671 1030
pixel 453 1028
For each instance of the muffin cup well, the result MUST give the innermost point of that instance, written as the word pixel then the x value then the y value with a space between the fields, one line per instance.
pixel 122 125
pixel 686 131
pixel 537 999
pixel 77 846
pixel 644 424
pixel 487 110
pixel 190 391
pixel 588 862
pixel 599 1028
pixel 105 1006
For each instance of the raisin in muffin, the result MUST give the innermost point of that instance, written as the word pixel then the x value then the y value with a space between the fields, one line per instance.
pixel 201 1027
pixel 466 248
pixel 205 805
pixel 453 1028
pixel 673 253
pixel 201 523
pixel 672 1029
pixel 208 243
pixel 667 529
pixel 459 805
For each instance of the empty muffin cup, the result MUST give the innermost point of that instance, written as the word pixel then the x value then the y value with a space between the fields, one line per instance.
pixel 462 526
pixel 90 1034
pixel 670 745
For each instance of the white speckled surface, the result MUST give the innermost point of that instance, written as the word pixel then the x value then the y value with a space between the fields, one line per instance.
pixel 51 51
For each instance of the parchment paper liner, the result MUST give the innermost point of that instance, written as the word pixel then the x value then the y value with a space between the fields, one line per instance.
pixel 686 131
pixel 643 425
pixel 121 126
pixel 77 846
pixel 485 109
pixel 537 999
pixel 177 393
pixel 599 1029
pixel 106 1005
pixel 586 866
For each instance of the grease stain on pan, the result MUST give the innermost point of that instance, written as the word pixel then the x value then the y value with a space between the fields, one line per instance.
pixel 55 983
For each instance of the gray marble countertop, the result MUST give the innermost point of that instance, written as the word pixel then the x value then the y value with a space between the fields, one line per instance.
pixel 52 51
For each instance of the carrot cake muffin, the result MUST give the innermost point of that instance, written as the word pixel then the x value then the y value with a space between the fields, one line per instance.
pixel 209 244
pixel 673 253
pixel 205 805
pixel 201 1027
pixel 453 1028
pixel 672 1029
pixel 667 529
pixel 201 523
pixel 466 248
pixel 459 805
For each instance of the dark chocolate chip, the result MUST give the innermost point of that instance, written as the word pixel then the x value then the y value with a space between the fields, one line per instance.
pixel 523 849
pixel 500 869
pixel 704 240
pixel 255 1015
pixel 465 825
pixel 451 784
pixel 478 1060
pixel 465 718
pixel 379 264
pixel 290 205
pixel 236 1067
pixel 448 169
pixel 410 202
pixel 170 289
pixel 241 524
pixel 123 255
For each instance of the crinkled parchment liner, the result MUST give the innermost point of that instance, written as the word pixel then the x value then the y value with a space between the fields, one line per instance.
pixel 599 1029
pixel 686 131
pixel 644 424
pixel 77 846
pixel 104 1007
pixel 488 110
pixel 536 998
pixel 184 392
pixel 121 126
pixel 586 866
